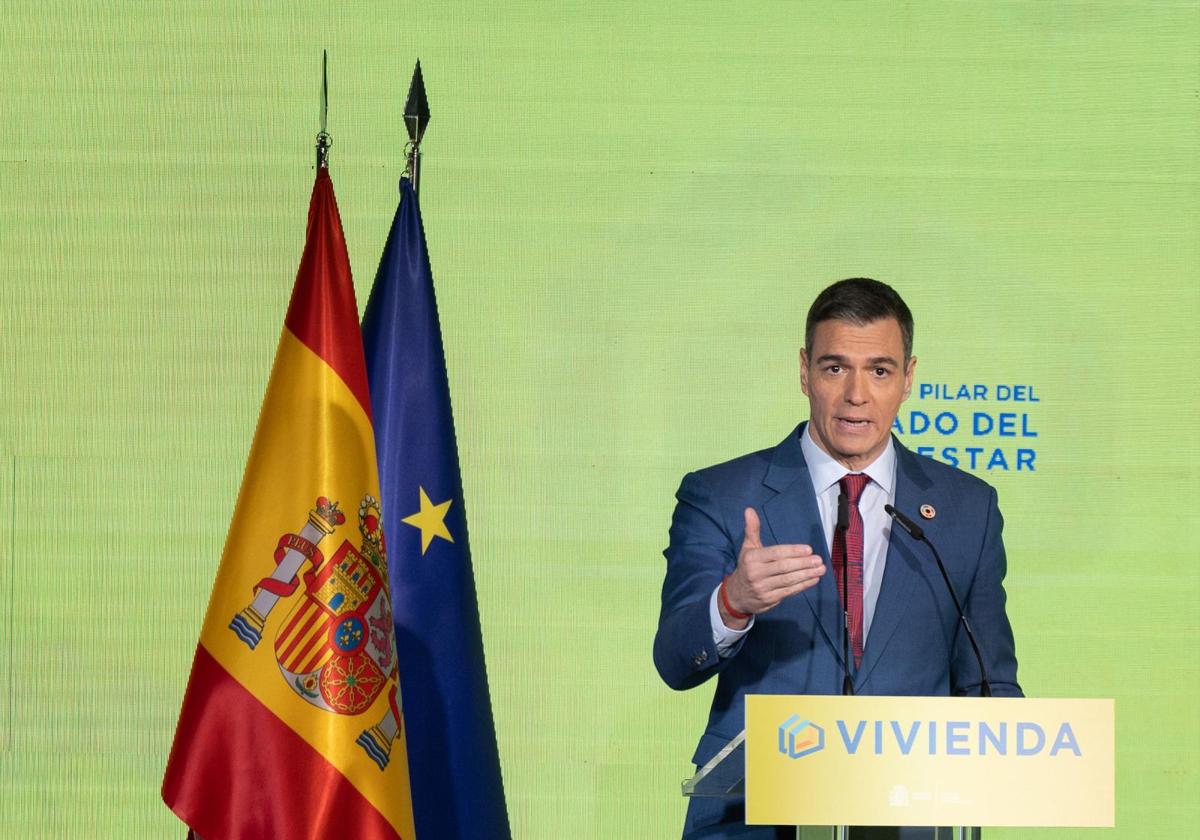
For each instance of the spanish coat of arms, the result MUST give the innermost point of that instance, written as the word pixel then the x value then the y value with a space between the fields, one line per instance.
pixel 336 648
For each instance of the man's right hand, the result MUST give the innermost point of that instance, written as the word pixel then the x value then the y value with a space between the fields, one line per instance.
pixel 766 575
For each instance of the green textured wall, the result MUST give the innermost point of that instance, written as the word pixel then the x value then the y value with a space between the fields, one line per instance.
pixel 629 207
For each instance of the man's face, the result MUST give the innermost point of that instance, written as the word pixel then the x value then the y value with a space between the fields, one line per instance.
pixel 855 381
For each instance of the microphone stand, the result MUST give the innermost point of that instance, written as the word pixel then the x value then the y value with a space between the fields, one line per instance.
pixel 918 533
pixel 842 832
pixel 843 525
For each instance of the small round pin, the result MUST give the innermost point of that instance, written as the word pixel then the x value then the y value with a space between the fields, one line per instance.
pixel 928 512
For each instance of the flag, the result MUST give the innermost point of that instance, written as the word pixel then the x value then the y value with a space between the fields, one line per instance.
pixel 457 791
pixel 291 725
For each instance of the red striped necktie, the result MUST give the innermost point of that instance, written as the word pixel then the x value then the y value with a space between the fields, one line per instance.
pixel 851 541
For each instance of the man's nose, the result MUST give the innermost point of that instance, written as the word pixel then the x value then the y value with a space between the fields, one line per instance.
pixel 856 389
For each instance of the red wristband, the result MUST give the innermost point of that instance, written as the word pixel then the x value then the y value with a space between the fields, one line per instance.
pixel 734 614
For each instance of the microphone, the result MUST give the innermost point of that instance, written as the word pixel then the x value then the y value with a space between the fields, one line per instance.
pixel 918 533
pixel 841 526
pixel 914 530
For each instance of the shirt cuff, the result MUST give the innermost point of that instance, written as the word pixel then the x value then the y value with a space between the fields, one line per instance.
pixel 725 638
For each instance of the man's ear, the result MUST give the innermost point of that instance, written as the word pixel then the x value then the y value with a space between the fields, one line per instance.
pixel 908 375
pixel 804 372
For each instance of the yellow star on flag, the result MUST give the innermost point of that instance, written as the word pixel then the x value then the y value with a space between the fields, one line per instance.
pixel 431 520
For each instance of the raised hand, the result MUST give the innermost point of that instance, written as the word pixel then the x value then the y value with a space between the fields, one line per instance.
pixel 765 575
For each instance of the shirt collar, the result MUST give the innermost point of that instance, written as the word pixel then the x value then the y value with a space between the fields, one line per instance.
pixel 826 472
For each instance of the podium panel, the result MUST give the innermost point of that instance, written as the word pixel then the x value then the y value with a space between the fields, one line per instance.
pixel 815 760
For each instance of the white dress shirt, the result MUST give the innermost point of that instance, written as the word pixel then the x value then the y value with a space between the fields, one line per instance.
pixel 825 473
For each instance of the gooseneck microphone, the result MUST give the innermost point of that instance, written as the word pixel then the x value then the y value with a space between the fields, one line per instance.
pixel 917 533
pixel 843 525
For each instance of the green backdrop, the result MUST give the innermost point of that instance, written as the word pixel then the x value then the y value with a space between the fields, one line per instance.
pixel 629 207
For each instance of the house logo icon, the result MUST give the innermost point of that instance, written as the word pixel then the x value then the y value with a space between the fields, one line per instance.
pixel 799 737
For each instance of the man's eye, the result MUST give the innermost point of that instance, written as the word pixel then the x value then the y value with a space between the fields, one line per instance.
pixel 834 369
pixel 881 372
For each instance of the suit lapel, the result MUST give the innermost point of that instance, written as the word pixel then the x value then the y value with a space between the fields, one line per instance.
pixel 792 517
pixel 900 572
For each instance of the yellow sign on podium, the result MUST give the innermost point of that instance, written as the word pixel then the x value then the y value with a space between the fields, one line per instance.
pixel 968 761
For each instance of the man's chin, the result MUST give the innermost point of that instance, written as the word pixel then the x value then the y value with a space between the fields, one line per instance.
pixel 857 450
pixel 857 441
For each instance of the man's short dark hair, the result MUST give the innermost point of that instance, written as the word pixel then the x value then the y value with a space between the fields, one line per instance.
pixel 861 301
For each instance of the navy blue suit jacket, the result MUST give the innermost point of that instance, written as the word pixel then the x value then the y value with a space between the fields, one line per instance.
pixel 915 646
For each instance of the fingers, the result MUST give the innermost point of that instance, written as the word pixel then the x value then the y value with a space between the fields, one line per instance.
pixel 803 583
pixel 762 585
pixel 753 537
pixel 782 552
pixel 783 587
pixel 792 570
pixel 803 577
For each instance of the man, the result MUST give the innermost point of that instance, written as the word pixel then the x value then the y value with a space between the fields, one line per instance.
pixel 750 592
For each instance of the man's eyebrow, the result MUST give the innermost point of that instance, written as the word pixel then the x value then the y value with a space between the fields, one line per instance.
pixel 874 361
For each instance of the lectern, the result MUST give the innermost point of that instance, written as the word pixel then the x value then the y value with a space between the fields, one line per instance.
pixel 827 762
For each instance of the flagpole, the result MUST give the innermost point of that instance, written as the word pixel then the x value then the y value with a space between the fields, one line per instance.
pixel 324 141
pixel 416 118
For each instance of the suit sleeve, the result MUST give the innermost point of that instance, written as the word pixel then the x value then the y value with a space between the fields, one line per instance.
pixel 701 552
pixel 985 609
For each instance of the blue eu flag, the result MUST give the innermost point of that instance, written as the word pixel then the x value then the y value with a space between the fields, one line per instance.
pixel 454 765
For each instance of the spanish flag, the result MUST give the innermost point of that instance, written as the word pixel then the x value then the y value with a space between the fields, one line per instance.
pixel 291 724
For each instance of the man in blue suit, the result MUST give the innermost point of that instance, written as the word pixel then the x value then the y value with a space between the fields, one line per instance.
pixel 749 594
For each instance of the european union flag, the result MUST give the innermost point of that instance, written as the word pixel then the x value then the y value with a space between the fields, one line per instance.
pixel 453 761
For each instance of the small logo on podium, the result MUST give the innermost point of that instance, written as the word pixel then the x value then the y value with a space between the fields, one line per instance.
pixel 799 737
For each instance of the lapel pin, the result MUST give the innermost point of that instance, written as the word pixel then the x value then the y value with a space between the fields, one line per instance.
pixel 927 511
